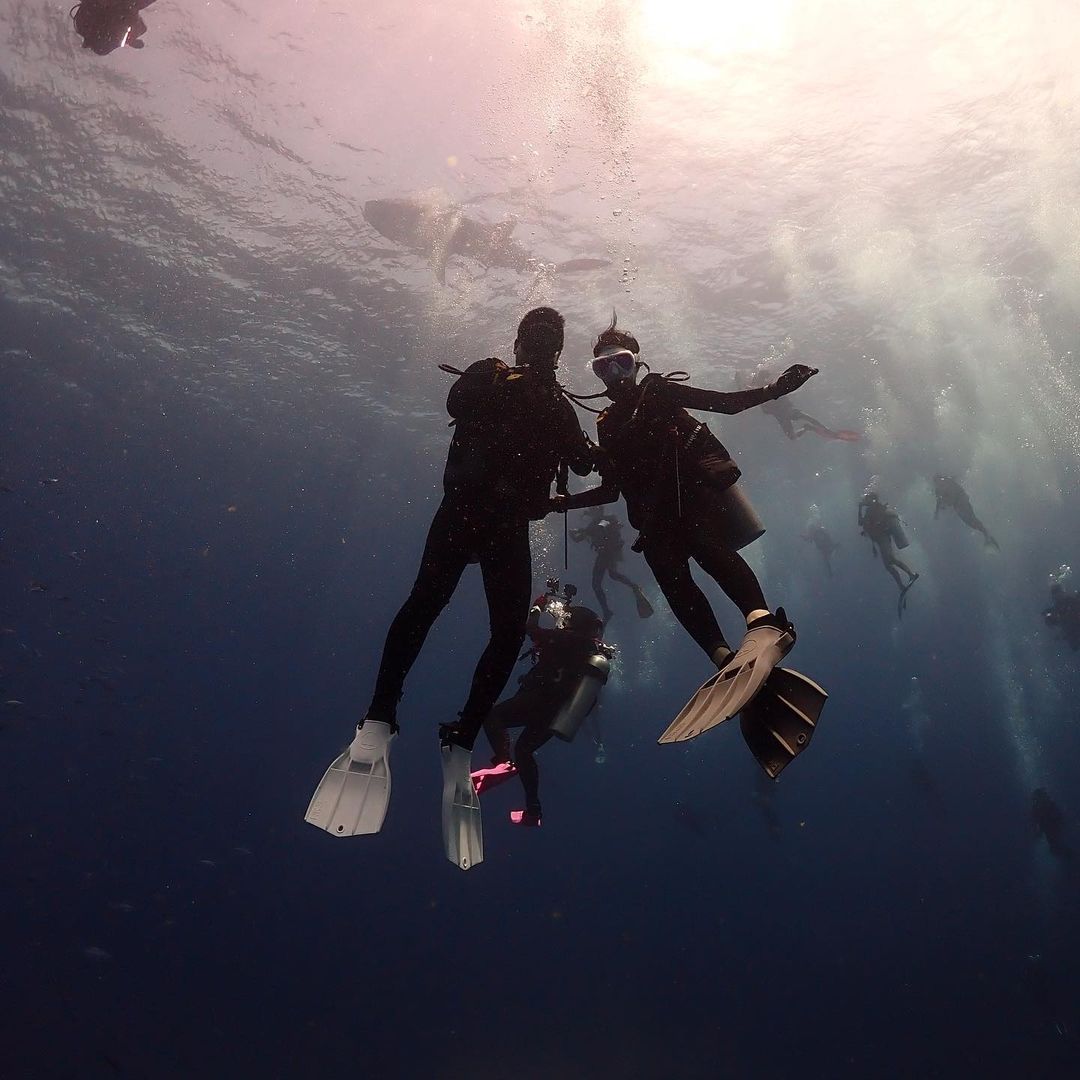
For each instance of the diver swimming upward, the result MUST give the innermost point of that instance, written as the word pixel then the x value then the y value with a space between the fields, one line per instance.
pixel 679 483
pixel 570 666
pixel 513 428
pixel 882 526
pixel 604 534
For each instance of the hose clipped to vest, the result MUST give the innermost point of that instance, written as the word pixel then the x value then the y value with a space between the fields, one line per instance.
pixel 562 487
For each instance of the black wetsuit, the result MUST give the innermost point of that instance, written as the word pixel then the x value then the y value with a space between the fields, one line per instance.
pixel 105 25
pixel 561 657
pixel 672 471
pixel 513 427
pixel 877 520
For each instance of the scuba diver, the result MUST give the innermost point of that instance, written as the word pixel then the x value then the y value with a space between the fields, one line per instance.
pixel 1064 614
pixel 604 533
pixel 883 528
pixel 1049 822
pixel 948 492
pixel 570 665
pixel 106 25
pixel 513 430
pixel 820 537
pixel 787 416
pixel 679 484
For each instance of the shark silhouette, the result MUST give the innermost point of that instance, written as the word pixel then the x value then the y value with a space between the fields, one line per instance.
pixel 439 229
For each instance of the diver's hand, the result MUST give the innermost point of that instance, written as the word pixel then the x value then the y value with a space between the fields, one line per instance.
pixel 557 504
pixel 793 378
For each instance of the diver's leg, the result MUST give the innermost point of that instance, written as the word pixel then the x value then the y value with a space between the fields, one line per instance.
pixel 671 567
pixel 816 426
pixel 966 514
pixel 514 712
pixel 441 566
pixel 600 568
pixel 620 577
pixel 506 564
pixel 733 574
pixel 897 561
pixel 531 739
pixel 891 568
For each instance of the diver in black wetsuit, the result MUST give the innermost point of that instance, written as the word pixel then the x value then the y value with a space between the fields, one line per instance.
pixel 882 526
pixel 1049 822
pixel 105 25
pixel 513 428
pixel 570 665
pixel 678 481
pixel 949 493
pixel 604 533
pixel 1064 614
pixel 820 537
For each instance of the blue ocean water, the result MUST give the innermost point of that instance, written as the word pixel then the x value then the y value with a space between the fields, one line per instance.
pixel 222 434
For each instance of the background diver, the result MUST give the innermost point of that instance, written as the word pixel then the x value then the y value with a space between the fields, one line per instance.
pixel 821 538
pixel 679 484
pixel 106 25
pixel 949 493
pixel 1064 614
pixel 1049 822
pixel 604 534
pixel 882 526
pixel 512 429
pixel 570 665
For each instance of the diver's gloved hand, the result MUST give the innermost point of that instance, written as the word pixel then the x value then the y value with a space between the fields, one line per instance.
pixel 793 378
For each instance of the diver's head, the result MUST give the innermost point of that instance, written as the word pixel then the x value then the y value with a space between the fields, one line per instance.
pixel 584 622
pixel 616 356
pixel 540 339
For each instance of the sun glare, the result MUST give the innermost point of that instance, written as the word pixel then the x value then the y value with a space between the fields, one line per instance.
pixel 692 37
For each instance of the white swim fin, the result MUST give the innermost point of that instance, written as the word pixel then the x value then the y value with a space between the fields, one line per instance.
pixel 352 798
pixel 463 833
pixel 737 682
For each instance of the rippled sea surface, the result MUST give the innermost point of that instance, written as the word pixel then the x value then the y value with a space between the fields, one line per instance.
pixel 230 263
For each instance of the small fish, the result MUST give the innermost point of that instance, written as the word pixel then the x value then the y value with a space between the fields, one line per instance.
pixel 38 586
pixel 243 851
pixel 49 480
pixel 97 954
pixel 13 703
pixel 208 862
pixel 121 905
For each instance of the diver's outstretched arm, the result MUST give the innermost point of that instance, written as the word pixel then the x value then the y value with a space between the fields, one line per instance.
pixel 692 397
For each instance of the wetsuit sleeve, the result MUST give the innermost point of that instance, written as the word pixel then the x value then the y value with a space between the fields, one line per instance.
pixel 477 391
pixel 692 397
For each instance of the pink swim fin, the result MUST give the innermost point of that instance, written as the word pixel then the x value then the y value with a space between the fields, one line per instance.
pixel 486 779
pixel 526 818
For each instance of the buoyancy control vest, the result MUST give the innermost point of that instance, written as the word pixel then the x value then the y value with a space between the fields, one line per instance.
pixel 512 428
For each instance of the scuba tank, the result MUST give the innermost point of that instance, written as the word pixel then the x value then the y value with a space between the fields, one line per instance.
pixel 896 530
pixel 583 698
pixel 586 677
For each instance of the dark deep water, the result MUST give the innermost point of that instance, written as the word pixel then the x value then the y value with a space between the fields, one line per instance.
pixel 224 483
